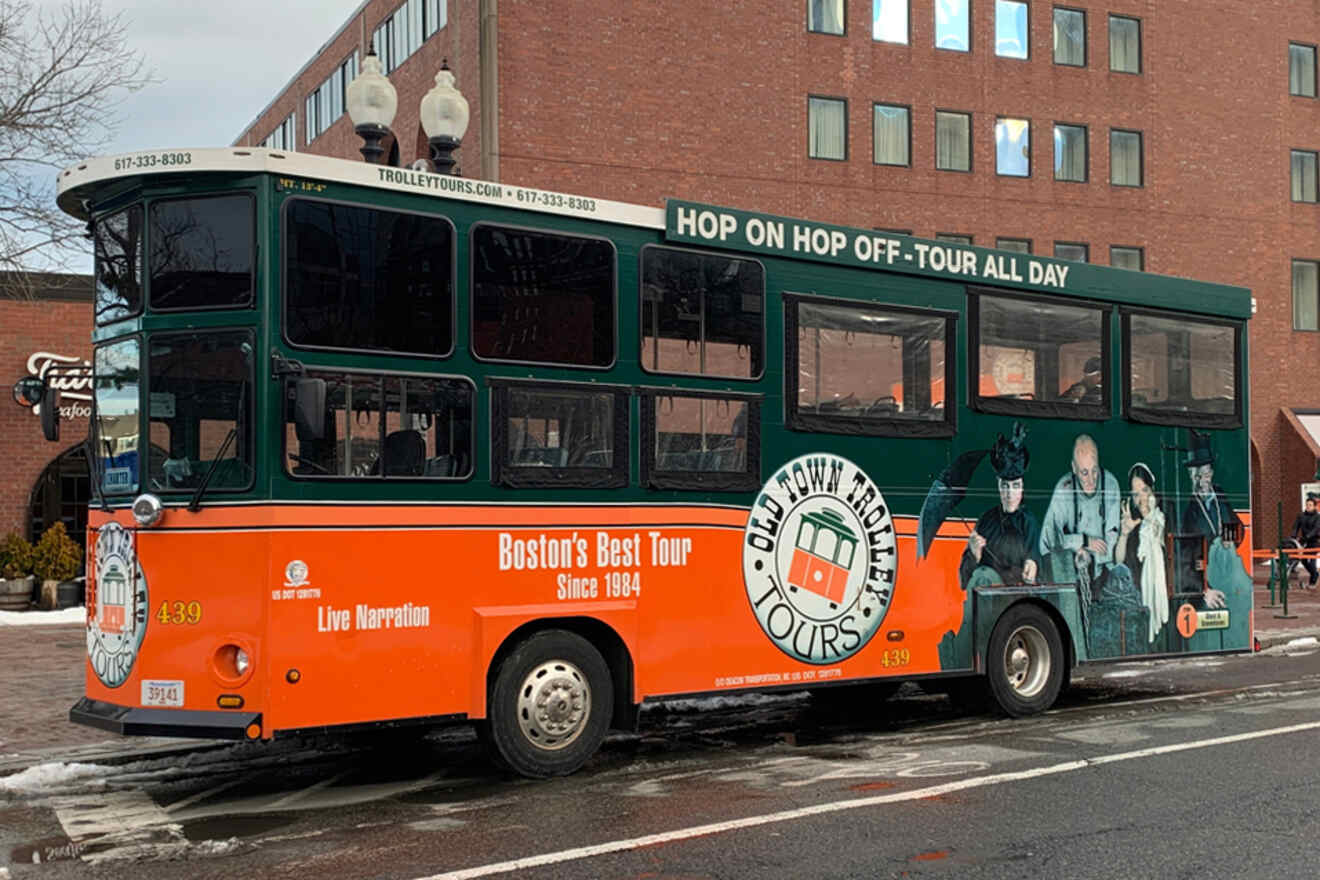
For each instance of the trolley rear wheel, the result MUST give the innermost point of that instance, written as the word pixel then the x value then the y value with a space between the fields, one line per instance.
pixel 550 705
pixel 1025 662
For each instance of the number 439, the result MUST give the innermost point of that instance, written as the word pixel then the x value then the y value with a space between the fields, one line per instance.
pixel 179 612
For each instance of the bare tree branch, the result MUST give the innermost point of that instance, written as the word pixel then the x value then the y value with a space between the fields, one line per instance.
pixel 66 74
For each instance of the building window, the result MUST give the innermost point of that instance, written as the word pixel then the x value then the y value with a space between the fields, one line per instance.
pixel 1013 147
pixel 1011 29
pixel 1306 294
pixel 825 17
pixel 893 135
pixel 866 369
pixel 953 141
pixel 283 137
pixel 1071 250
pixel 1303 176
pixel 893 231
pixel 411 24
pixel 1133 258
pixel 1070 37
pixel 702 313
pixel 827 128
pixel 1124 44
pixel 326 104
pixel 1020 245
pixel 953 238
pixel 890 21
pixel 1301 70
pixel 953 25
pixel 1070 153
pixel 1125 158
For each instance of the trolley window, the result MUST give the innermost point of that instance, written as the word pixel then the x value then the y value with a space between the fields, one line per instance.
pixel 384 427
pixel 694 440
pixel 365 279
pixel 702 313
pixel 117 242
pixel 558 434
pixel 542 297
pixel 201 252
pixel 1040 358
pixel 1181 371
pixel 863 369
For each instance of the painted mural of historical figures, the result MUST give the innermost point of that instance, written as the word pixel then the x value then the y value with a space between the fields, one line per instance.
pixel 1004 545
pixel 1082 524
pixel 1210 573
pixel 1141 546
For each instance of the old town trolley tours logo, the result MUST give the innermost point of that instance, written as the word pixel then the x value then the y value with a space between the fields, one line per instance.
pixel 819 558
pixel 116 629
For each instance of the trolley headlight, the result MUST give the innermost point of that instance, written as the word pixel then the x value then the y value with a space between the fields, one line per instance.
pixel 147 510
pixel 231 664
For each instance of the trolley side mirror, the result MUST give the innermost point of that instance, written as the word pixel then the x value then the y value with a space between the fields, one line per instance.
pixel 50 414
pixel 309 408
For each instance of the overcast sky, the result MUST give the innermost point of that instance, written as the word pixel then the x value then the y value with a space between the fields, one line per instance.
pixel 218 63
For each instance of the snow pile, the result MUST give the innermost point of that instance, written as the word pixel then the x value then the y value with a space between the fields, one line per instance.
pixel 43 618
pixel 49 777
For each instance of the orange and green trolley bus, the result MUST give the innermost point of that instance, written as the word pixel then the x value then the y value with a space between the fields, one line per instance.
pixel 376 447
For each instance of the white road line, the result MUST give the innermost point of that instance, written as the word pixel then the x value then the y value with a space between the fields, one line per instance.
pixel 585 852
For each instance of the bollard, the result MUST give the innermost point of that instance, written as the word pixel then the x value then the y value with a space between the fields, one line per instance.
pixel 1283 587
pixel 1274 576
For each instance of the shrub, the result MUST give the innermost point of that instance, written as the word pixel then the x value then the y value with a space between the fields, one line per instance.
pixel 15 557
pixel 56 556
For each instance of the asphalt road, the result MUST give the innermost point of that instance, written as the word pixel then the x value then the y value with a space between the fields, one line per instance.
pixel 1196 769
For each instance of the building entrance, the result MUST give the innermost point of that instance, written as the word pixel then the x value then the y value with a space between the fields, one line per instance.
pixel 61 494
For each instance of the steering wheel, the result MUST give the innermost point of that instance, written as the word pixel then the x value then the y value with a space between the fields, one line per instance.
pixel 307 462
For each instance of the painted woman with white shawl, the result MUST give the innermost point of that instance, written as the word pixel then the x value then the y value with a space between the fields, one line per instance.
pixel 1141 545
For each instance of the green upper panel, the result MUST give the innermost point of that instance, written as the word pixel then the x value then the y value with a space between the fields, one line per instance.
pixel 711 226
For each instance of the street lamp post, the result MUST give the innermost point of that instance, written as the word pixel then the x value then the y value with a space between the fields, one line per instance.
pixel 444 115
pixel 371 102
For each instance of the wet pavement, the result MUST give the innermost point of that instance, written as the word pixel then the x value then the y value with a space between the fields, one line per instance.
pixel 42 668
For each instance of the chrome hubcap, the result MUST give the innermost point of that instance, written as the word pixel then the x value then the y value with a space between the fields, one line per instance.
pixel 1027 661
pixel 554 703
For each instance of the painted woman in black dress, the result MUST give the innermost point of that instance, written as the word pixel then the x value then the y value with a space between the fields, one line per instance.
pixel 1004 548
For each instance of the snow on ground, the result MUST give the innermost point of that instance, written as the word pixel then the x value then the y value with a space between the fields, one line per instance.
pixel 50 777
pixel 43 618
pixel 739 701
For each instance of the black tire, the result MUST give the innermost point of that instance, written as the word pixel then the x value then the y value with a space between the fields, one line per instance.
pixel 565 677
pixel 1025 663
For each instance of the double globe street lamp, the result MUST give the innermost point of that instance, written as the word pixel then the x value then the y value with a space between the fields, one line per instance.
pixel 372 101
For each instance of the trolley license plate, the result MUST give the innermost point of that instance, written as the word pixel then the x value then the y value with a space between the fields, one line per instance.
pixel 162 693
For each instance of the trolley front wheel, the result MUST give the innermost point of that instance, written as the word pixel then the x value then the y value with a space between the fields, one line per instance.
pixel 550 705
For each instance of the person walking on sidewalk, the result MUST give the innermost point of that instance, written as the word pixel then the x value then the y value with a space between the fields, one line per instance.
pixel 1306 529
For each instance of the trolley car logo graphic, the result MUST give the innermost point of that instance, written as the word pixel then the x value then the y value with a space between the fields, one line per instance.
pixel 116 629
pixel 819 558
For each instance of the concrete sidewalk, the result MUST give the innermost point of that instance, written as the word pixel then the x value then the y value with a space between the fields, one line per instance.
pixel 41 676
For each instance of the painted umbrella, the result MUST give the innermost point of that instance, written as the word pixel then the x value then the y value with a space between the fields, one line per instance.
pixel 948 489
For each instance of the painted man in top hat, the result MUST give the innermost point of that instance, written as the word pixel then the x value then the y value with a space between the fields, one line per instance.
pixel 1204 517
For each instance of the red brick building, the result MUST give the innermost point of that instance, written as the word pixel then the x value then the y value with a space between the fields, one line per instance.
pixel 1179 137
pixel 46 320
